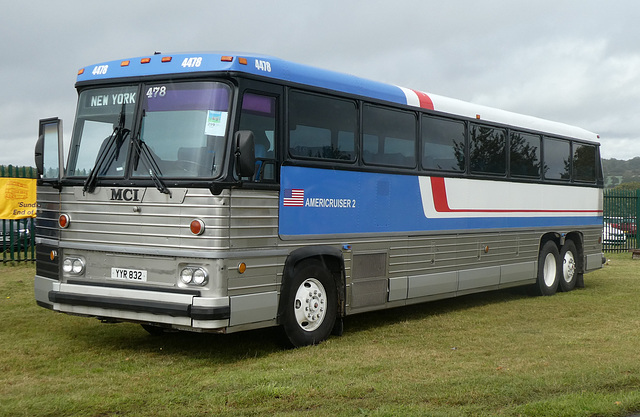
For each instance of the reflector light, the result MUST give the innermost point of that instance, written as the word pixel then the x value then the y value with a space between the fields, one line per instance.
pixel 243 61
pixel 166 59
pixel 242 267
pixel 197 227
pixel 478 116
pixel 81 71
pixel 63 221
pixel 145 60
pixel 226 59
pixel 125 63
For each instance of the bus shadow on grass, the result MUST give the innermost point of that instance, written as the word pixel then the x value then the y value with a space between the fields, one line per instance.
pixel 229 348
pixel 421 311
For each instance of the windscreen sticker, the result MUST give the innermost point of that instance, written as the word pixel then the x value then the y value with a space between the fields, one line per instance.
pixel 216 123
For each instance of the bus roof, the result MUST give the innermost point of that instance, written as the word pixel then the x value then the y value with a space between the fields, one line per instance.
pixel 271 67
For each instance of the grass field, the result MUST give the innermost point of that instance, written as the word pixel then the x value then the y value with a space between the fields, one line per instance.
pixel 502 353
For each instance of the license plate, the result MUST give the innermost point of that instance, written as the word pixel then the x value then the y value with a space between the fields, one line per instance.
pixel 139 275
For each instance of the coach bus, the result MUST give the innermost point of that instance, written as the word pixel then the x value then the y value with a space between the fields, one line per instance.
pixel 226 192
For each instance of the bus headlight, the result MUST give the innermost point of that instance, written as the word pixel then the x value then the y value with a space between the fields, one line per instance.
pixel 200 276
pixel 73 266
pixel 194 276
pixel 186 275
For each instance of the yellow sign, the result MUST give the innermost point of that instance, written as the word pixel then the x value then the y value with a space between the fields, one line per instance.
pixel 18 198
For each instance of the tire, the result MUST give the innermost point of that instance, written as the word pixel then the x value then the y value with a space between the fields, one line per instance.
pixel 309 304
pixel 548 275
pixel 567 266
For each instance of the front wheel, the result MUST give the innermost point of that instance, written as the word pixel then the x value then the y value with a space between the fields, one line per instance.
pixel 548 277
pixel 310 305
pixel 568 268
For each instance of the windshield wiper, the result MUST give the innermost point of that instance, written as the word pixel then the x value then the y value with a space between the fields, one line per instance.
pixel 106 157
pixel 143 153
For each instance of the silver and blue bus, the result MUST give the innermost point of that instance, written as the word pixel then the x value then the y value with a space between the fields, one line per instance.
pixel 226 192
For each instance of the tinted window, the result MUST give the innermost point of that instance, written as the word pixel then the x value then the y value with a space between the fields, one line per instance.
pixel 584 162
pixel 389 137
pixel 525 155
pixel 322 127
pixel 487 150
pixel 557 159
pixel 443 144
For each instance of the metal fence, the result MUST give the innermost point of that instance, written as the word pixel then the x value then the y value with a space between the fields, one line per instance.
pixel 18 236
pixel 18 240
pixel 621 216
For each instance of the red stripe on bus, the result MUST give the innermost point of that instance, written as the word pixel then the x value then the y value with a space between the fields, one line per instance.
pixel 425 100
pixel 441 203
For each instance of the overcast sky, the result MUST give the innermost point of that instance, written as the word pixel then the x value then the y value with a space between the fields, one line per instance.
pixel 576 62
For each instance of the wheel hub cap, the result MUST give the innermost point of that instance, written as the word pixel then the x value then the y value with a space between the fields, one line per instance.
pixel 310 304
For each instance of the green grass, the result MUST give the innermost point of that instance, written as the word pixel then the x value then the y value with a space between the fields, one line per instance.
pixel 501 353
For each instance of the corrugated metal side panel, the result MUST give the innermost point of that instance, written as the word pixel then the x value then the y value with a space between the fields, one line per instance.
pixel 254 219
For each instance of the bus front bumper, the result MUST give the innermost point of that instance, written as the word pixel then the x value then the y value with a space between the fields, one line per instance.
pixel 182 308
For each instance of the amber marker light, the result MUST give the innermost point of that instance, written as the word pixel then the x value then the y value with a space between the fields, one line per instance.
pixel 81 71
pixel 197 227
pixel 63 221
pixel 145 60
pixel 242 61
pixel 125 63
pixel 226 59
pixel 53 255
pixel 166 59
pixel 242 267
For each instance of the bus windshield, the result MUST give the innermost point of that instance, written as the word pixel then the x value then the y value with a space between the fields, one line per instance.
pixel 104 115
pixel 184 125
pixel 182 129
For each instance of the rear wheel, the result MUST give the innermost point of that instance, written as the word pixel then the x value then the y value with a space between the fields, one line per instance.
pixel 548 276
pixel 568 268
pixel 310 305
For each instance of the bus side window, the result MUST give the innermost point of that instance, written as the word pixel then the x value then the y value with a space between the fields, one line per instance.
pixel 557 159
pixel 584 162
pixel 322 127
pixel 443 144
pixel 259 116
pixel 524 161
pixel 487 150
pixel 389 137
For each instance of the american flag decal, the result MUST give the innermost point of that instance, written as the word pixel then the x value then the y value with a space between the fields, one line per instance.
pixel 294 197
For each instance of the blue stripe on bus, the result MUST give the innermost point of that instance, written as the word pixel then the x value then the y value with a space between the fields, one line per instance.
pixel 349 202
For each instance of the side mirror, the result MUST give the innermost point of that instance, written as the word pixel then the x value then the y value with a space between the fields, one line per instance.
pixel 49 148
pixel 245 153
